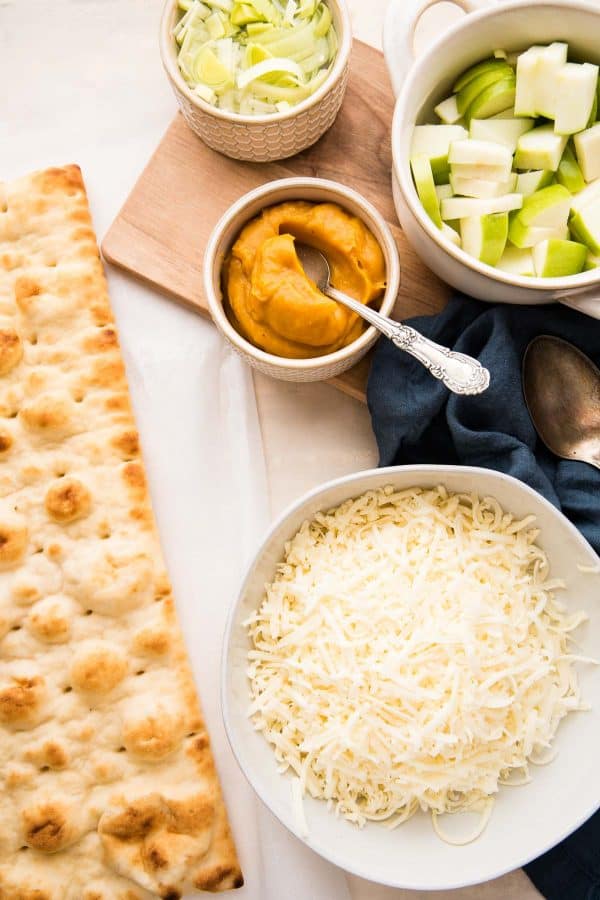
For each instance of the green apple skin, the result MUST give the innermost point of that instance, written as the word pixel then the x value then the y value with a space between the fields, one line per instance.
pixel 557 259
pixel 482 68
pixel 485 237
pixel 569 174
pixel 467 95
pixel 425 185
pixel 494 99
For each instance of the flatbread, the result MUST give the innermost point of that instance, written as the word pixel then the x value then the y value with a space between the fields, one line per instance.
pixel 108 789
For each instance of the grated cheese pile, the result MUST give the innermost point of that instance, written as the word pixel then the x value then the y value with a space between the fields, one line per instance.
pixel 410 654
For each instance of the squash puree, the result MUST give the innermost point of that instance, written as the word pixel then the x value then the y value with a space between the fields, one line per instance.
pixel 274 305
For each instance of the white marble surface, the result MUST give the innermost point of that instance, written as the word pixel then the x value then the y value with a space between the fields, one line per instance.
pixel 82 82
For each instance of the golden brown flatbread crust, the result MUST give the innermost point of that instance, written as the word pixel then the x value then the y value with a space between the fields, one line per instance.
pixel 108 789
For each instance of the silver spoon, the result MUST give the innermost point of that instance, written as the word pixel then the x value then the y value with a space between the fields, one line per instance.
pixel 562 391
pixel 460 373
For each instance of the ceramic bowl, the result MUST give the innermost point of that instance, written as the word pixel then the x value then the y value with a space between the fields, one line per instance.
pixel 526 821
pixel 316 190
pixel 261 138
pixel 420 84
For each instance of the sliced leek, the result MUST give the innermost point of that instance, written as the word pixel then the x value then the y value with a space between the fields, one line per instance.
pixel 255 57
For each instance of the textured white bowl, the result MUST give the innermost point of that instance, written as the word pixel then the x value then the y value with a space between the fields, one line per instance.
pixel 262 138
pixel 316 190
pixel 421 83
pixel 526 821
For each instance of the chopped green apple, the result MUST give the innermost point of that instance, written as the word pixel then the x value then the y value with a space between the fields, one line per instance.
pixel 465 207
pixel 527 82
pixel 433 141
pixel 548 208
pixel 552 59
pixel 467 95
pixel 527 236
pixel 494 99
pixel 540 148
pixel 569 172
pixel 500 131
pixel 450 233
pixel 443 191
pixel 485 173
pixel 477 187
pixel 587 147
pixel 447 111
pixel 575 93
pixel 556 259
pixel 594 113
pixel 585 226
pixel 590 194
pixel 591 262
pixel 479 153
pixel 484 237
pixel 530 182
pixel 482 68
pixel 507 114
pixel 425 185
pixel 517 261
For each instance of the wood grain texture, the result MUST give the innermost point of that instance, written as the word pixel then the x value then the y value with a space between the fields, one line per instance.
pixel 162 230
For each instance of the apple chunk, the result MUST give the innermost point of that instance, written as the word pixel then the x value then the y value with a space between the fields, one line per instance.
pixel 517 261
pixel 447 111
pixel 433 141
pixel 543 215
pixel 484 237
pixel 477 187
pixel 500 131
pixel 569 172
pixel 585 226
pixel 587 147
pixel 540 148
pixel 479 153
pixel 425 185
pixel 555 259
pixel 530 182
pixel 465 207
pixel 574 97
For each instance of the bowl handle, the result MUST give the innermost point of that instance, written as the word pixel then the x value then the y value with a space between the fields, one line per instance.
pixel 401 21
pixel 588 305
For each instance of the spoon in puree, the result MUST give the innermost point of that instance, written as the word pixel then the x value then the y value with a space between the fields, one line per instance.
pixel 460 373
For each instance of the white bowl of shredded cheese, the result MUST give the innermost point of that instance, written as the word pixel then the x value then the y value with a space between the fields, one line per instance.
pixel 408 675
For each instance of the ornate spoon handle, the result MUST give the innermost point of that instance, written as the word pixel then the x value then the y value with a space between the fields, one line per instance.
pixel 460 373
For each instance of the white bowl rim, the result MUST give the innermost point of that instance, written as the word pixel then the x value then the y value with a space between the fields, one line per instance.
pixel 169 60
pixel 339 191
pixel 572 284
pixel 417 469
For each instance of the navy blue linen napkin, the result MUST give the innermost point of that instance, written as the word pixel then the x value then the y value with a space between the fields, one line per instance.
pixel 416 420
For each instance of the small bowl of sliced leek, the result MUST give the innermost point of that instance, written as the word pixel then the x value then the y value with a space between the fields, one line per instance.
pixel 257 79
pixel 497 153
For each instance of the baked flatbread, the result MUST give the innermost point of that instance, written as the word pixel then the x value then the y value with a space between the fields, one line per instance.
pixel 108 789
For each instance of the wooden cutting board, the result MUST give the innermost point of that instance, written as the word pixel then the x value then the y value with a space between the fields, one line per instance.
pixel 162 230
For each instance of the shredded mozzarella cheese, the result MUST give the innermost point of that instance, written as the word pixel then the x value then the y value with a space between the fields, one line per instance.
pixel 410 653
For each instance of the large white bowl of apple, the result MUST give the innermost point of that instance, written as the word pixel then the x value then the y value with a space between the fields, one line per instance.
pixel 496 147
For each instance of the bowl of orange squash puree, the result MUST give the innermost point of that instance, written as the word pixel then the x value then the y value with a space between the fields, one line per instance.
pixel 263 303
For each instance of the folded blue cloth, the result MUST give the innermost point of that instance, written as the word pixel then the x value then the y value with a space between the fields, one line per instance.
pixel 416 420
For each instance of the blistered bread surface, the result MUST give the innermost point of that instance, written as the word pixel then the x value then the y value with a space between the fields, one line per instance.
pixel 108 789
